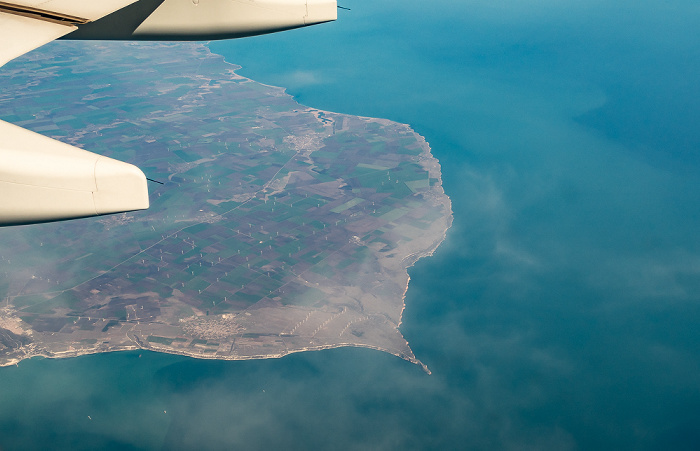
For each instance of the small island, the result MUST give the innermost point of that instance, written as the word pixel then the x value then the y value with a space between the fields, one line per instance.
pixel 278 228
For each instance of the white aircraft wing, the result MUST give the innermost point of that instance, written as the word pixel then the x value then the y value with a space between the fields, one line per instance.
pixel 42 179
pixel 28 24
pixel 34 33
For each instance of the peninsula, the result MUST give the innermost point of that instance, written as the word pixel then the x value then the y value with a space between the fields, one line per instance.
pixel 278 228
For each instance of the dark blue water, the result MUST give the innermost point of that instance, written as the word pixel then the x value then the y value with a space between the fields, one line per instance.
pixel 560 313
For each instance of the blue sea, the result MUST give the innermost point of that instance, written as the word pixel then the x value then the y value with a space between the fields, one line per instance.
pixel 560 313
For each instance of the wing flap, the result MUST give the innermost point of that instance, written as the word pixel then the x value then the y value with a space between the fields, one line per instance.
pixel 87 9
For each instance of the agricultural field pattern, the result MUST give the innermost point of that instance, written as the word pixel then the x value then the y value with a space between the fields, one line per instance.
pixel 277 228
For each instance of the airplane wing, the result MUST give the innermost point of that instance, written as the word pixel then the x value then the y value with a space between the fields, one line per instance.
pixel 21 34
pixel 42 179
pixel 28 24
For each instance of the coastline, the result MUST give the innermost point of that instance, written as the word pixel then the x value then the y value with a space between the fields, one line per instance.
pixel 395 267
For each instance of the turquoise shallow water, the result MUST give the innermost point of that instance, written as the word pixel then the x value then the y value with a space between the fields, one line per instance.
pixel 561 311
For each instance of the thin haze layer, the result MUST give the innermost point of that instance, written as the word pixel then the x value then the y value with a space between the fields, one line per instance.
pixel 561 312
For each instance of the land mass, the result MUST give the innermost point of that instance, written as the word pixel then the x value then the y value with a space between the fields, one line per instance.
pixel 278 228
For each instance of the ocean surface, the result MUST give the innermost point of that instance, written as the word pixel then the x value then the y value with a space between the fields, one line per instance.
pixel 560 313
